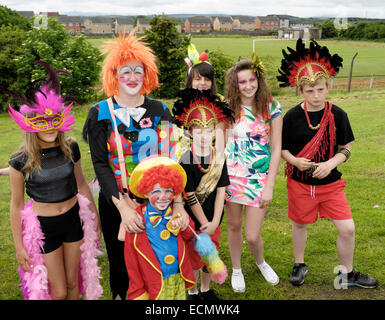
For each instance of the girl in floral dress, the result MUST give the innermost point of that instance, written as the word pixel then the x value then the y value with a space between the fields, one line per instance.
pixel 253 153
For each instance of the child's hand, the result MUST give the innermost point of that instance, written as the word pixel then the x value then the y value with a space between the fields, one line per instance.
pixel 209 228
pixel 303 164
pixel 177 223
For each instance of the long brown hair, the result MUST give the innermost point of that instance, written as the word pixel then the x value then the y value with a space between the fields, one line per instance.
pixel 262 97
pixel 32 151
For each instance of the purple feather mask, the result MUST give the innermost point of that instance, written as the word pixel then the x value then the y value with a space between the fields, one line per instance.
pixel 43 108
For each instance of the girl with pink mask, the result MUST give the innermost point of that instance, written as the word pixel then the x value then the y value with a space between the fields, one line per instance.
pixel 55 233
pixel 253 153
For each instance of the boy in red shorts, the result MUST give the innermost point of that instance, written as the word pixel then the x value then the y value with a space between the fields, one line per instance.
pixel 316 138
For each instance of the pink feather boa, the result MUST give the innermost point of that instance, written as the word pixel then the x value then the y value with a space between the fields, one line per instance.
pixel 35 283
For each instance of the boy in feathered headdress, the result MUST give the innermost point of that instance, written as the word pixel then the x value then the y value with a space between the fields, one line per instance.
pixel 157 262
pixel 199 112
pixel 316 139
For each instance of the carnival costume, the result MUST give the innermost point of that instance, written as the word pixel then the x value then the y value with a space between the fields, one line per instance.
pixel 144 130
pixel 181 136
pixel 43 109
pixel 205 174
pixel 314 135
pixel 310 64
pixel 248 149
pixel 157 262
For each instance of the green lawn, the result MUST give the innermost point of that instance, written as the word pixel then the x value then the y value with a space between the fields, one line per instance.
pixel 370 58
pixel 365 176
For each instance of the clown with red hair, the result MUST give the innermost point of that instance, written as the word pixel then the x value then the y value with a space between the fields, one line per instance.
pixel 130 122
pixel 157 260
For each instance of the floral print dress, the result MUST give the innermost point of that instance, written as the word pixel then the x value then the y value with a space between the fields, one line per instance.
pixel 248 156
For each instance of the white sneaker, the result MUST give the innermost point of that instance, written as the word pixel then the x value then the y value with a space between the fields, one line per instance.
pixel 268 273
pixel 238 281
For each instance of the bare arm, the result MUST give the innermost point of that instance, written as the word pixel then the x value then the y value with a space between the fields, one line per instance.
pixel 211 226
pixel 17 204
pixel 276 146
pixel 84 189
pixel 324 168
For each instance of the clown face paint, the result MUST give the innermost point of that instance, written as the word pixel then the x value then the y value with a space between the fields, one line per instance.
pixel 160 198
pixel 131 77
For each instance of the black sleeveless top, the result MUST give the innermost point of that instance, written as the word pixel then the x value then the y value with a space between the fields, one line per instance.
pixel 55 182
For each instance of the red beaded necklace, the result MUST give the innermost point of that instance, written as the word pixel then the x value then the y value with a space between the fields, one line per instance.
pixel 308 120
pixel 198 162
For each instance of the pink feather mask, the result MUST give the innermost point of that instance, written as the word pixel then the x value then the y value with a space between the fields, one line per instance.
pixel 46 109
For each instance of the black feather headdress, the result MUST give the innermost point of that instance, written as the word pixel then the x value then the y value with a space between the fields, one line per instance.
pixel 307 64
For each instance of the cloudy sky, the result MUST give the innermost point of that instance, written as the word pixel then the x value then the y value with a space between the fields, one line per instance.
pixel 300 8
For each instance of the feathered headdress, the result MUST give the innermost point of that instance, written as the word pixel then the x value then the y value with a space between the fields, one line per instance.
pixel 122 50
pixel 257 66
pixel 307 64
pixel 194 57
pixel 46 103
pixel 199 107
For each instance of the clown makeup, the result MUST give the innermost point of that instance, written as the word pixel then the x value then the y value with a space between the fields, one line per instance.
pixel 131 77
pixel 160 198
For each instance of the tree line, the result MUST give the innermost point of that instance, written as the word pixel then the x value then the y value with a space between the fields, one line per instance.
pixel 362 30
pixel 22 43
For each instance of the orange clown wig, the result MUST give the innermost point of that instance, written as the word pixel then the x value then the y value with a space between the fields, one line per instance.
pixel 119 52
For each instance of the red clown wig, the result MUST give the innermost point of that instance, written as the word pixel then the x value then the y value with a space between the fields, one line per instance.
pixel 119 52
pixel 167 177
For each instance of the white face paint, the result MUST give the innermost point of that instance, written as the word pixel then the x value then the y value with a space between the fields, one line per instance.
pixel 131 77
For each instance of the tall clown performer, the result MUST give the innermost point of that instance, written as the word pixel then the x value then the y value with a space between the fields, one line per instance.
pixel 56 233
pixel 123 130
pixel 200 112
pixel 316 139
pixel 157 261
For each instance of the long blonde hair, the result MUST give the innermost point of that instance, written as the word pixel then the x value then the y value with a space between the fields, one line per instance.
pixel 262 97
pixel 32 151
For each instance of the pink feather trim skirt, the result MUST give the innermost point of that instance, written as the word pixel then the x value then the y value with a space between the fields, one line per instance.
pixel 34 284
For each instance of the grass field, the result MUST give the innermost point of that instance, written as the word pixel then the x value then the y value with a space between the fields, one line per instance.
pixel 370 58
pixel 365 176
pixel 364 173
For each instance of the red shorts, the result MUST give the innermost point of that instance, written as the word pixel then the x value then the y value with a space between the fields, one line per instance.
pixel 196 261
pixel 306 201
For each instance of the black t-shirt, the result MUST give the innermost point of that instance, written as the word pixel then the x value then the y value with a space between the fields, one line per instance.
pixel 56 181
pixel 296 134
pixel 194 176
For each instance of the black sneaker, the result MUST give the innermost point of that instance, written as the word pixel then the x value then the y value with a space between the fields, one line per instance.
pixel 298 274
pixel 358 279
pixel 209 295
pixel 193 297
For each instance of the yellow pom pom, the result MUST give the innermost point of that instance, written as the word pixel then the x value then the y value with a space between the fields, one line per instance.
pixel 216 267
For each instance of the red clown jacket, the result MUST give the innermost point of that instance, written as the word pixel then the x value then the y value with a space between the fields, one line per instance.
pixel 143 267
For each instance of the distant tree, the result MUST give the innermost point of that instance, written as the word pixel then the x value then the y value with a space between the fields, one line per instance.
pixel 10 17
pixel 11 39
pixel 328 29
pixel 221 63
pixel 170 47
pixel 56 46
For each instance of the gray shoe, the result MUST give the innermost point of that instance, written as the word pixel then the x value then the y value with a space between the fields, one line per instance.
pixel 298 274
